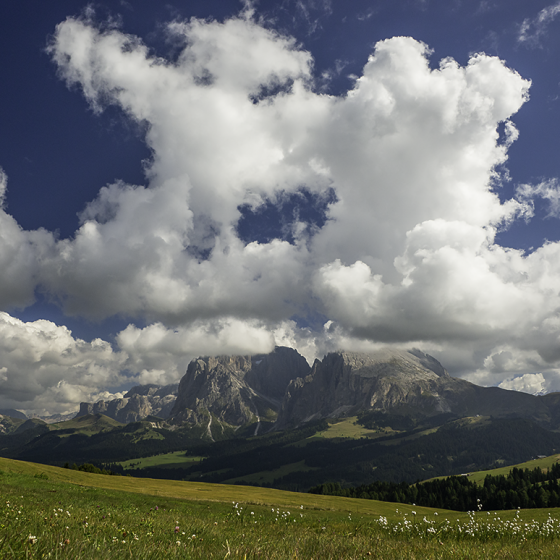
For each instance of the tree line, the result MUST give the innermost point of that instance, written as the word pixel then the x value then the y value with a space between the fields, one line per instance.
pixel 524 488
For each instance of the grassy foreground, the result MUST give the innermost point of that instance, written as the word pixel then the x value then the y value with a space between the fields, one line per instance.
pixel 46 512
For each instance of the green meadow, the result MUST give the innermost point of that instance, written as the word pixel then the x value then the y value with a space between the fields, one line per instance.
pixel 49 512
pixel 268 477
pixel 174 459
pixel 347 428
pixel 544 463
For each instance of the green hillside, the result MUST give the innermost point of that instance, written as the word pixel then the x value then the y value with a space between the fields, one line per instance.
pixel 50 512
pixel 199 491
pixel 352 451
pixel 89 424
pixel 543 463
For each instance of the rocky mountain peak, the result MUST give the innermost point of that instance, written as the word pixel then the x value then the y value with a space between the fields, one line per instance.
pixel 271 373
pixel 151 390
pixel 224 393
pixel 344 383
pixel 388 362
pixel 234 391
pixel 139 402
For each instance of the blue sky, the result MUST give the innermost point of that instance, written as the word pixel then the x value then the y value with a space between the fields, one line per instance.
pixel 189 178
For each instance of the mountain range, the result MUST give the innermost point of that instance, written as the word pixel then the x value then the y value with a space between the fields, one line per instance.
pixel 272 419
pixel 280 390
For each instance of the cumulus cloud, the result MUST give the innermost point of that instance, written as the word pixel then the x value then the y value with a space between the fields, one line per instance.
pixel 161 355
pixel 45 369
pixel 20 252
pixel 3 186
pixel 406 145
pixel 532 383
pixel 405 253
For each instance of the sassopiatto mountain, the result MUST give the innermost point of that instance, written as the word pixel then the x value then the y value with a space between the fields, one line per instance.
pixel 407 383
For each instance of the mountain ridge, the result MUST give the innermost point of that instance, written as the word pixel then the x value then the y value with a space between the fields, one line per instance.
pixel 407 418
pixel 138 403
pixel 280 390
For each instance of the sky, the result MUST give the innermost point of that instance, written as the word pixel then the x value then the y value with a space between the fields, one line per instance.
pixel 194 178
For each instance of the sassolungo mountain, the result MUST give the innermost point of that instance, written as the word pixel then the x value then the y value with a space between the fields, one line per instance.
pixel 272 420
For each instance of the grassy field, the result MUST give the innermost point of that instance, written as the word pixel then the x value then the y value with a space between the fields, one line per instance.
pixel 174 459
pixel 265 477
pixel 347 428
pixel 46 512
pixel 197 491
pixel 544 463
pixel 350 429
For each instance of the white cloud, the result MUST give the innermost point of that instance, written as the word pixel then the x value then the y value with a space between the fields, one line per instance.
pixel 532 30
pixel 3 187
pixel 44 369
pixel 532 383
pixel 161 355
pixel 548 190
pixel 455 284
pixel 407 255
pixel 406 145
pixel 20 253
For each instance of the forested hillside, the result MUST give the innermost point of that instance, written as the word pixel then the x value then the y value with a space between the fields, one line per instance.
pixel 522 488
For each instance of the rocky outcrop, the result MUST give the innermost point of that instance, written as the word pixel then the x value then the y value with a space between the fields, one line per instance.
pixel 344 383
pixel 403 382
pixel 8 423
pixel 141 401
pixel 55 418
pixel 232 391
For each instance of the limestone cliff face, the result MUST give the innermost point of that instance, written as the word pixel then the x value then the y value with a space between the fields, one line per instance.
pixel 234 391
pixel 215 386
pixel 345 383
pixel 270 374
pixel 139 402
pixel 222 394
pixel 402 382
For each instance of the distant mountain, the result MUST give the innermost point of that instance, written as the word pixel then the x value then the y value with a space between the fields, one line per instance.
pixel 54 418
pixel 49 419
pixel 405 383
pixel 12 413
pixel 226 393
pixel 271 419
pixel 220 395
pixel 9 424
pixel 345 383
pixel 141 401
